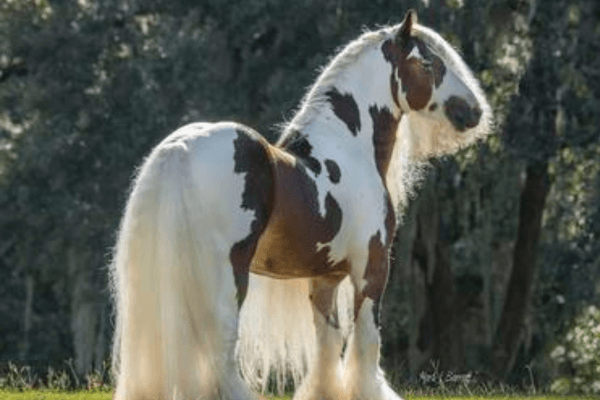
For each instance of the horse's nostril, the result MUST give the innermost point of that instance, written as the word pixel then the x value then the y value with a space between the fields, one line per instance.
pixel 461 114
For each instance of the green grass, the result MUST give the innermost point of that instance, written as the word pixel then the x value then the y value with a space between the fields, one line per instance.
pixel 21 383
pixel 495 397
pixel 31 394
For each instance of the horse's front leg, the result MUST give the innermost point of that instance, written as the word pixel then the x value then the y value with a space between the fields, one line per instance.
pixel 324 376
pixel 363 378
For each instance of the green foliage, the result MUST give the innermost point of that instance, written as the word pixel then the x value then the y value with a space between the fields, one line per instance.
pixel 579 353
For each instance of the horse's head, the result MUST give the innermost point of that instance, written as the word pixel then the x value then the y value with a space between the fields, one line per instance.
pixel 431 84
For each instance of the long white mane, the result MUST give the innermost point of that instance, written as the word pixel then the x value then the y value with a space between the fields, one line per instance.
pixel 315 99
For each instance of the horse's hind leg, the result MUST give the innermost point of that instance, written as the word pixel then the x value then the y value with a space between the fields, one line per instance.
pixel 324 377
pixel 363 378
pixel 231 386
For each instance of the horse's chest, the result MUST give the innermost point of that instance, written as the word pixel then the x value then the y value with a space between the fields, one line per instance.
pixel 294 242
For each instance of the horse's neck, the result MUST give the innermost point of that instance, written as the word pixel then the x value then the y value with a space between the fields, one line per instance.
pixel 333 130
pixel 362 78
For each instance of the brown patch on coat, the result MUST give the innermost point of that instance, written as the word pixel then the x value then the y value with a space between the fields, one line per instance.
pixel 298 144
pixel 394 87
pixel 377 270
pixel 376 275
pixel 322 295
pixel 333 169
pixel 384 137
pixel 390 221
pixel 288 246
pixel 439 70
pixel 417 77
pixel 251 159
pixel 416 83
pixel 345 108
pixel 432 63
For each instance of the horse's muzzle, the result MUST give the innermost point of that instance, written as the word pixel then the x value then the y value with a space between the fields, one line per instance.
pixel 461 114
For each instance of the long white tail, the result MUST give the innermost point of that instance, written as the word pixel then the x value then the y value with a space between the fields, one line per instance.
pixel 175 309
pixel 277 340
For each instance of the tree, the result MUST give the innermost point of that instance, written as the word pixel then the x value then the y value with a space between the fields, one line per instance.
pixel 536 131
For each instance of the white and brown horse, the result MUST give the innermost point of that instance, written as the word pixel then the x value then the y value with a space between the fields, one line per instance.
pixel 239 260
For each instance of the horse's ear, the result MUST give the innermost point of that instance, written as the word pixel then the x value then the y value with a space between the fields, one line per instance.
pixel 410 20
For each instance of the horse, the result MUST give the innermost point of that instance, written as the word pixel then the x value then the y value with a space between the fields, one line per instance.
pixel 239 261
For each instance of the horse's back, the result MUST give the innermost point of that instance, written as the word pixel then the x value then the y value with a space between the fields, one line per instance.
pixel 229 182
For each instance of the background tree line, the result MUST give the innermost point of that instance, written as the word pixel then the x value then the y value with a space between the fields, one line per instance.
pixel 498 255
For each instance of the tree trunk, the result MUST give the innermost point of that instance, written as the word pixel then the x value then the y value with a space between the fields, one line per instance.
pixel 437 333
pixel 448 342
pixel 84 311
pixel 509 331
pixel 27 316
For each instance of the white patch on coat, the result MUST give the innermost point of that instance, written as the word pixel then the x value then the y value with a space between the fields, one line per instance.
pixel 415 53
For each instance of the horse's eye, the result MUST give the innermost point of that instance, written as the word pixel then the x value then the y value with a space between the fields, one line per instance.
pixel 428 65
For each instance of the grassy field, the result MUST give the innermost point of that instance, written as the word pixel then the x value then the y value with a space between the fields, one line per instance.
pixel 21 383
pixel 53 395
pixel 105 395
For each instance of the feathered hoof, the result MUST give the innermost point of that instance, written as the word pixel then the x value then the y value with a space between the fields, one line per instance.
pixel 389 393
pixel 375 389
pixel 313 388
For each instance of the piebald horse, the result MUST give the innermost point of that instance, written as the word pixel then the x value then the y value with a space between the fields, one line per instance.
pixel 239 261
